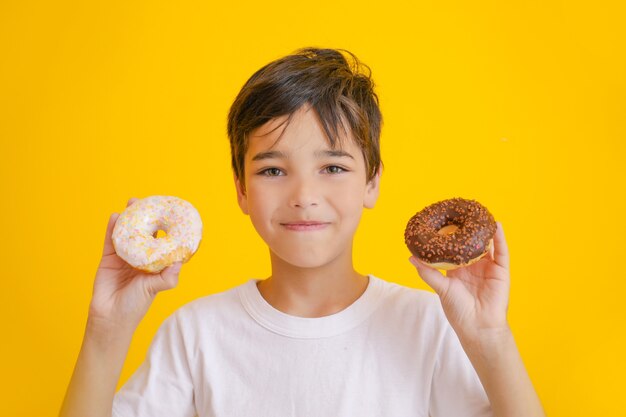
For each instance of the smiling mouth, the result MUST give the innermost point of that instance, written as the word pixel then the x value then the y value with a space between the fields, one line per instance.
pixel 305 226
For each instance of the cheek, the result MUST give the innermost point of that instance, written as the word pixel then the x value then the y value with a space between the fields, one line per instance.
pixel 260 207
pixel 350 201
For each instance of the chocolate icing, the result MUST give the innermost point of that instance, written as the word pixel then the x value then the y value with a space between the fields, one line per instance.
pixel 476 227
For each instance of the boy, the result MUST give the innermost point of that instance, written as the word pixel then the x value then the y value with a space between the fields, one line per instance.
pixel 316 338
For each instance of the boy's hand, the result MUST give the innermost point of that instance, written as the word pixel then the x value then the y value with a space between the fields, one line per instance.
pixel 121 293
pixel 474 298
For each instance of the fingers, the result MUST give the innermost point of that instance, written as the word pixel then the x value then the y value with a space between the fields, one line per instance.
pixel 168 279
pixel 501 250
pixel 108 242
pixel 108 248
pixel 431 276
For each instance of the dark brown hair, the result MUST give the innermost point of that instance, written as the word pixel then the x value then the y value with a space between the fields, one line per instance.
pixel 336 89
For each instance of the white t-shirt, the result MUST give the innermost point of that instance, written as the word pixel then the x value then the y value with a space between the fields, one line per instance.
pixel 391 353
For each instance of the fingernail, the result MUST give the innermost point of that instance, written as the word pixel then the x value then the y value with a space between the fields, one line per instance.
pixel 176 267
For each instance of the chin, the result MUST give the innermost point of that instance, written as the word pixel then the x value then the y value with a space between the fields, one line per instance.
pixel 302 260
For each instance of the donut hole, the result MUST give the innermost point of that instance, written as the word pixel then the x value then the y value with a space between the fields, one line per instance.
pixel 159 234
pixel 448 229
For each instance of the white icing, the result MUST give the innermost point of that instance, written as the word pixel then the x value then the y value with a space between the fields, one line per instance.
pixel 132 235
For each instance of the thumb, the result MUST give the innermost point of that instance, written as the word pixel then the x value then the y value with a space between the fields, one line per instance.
pixel 431 276
pixel 168 278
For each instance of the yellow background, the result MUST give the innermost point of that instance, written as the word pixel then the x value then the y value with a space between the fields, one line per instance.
pixel 518 104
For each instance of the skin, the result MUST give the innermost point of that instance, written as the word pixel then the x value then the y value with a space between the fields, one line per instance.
pixel 121 297
pixel 312 270
pixel 475 300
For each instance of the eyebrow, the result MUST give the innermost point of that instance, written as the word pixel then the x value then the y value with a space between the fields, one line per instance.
pixel 338 153
pixel 269 155
pixel 319 154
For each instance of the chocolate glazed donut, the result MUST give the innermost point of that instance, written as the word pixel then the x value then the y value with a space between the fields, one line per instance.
pixel 451 233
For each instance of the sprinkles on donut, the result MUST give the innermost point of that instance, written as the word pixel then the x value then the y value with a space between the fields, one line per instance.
pixel 135 234
pixel 451 233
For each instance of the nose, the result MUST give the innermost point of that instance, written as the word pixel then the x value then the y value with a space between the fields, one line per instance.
pixel 304 193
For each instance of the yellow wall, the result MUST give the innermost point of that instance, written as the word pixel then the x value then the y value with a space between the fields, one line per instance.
pixel 519 105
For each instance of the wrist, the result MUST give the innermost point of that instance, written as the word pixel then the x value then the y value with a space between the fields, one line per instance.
pixel 498 363
pixel 488 342
pixel 104 332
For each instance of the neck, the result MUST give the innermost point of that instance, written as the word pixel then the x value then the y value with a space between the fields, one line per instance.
pixel 312 292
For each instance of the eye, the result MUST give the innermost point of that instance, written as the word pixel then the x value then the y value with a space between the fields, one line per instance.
pixel 334 169
pixel 270 172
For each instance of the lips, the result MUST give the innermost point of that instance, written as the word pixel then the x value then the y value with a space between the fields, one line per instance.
pixel 303 226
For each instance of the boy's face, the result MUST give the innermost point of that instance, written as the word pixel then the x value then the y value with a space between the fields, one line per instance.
pixel 304 199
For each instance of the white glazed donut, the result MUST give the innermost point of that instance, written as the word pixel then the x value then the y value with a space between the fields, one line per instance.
pixel 134 235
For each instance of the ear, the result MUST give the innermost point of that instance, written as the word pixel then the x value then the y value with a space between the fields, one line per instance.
pixel 242 198
pixel 372 190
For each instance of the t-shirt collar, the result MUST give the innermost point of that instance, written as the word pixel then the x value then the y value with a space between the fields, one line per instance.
pixel 310 328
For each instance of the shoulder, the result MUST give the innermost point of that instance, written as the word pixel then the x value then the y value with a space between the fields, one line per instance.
pixel 416 310
pixel 400 291
pixel 213 309
pixel 407 300
pixel 413 318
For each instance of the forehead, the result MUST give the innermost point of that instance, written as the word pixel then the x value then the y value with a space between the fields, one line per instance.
pixel 302 129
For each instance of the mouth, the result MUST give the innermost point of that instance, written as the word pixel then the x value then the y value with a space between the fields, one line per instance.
pixel 304 226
